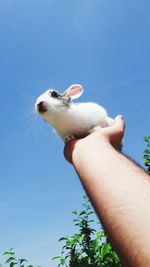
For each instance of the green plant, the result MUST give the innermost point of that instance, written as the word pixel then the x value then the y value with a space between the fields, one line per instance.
pixel 88 247
pixel 12 261
pixel 147 154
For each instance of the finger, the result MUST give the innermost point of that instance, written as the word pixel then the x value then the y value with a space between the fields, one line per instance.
pixel 115 133
pixel 119 125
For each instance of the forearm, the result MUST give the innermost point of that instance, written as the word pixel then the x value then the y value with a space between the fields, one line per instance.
pixel 120 193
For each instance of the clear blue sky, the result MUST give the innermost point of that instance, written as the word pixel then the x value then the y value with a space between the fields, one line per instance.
pixel 103 45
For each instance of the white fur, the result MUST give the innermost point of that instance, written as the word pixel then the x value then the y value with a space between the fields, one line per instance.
pixel 78 119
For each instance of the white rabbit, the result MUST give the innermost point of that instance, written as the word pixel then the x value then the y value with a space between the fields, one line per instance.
pixel 71 120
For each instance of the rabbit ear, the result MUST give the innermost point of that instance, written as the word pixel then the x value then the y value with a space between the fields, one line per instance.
pixel 75 91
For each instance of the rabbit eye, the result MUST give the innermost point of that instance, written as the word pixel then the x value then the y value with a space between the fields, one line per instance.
pixel 54 94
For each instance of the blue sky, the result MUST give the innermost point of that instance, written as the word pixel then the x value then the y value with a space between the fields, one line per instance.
pixel 103 45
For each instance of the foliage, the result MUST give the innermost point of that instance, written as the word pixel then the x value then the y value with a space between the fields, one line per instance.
pixel 12 261
pixel 147 154
pixel 87 248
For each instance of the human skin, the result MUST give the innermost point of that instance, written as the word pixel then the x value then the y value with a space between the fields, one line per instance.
pixel 118 189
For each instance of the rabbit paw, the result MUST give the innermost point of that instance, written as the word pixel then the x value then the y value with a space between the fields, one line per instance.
pixel 94 129
pixel 69 137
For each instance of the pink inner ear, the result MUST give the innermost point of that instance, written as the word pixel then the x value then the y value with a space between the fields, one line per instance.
pixel 74 90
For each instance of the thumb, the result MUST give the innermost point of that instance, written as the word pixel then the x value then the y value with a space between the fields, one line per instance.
pixel 115 132
pixel 119 124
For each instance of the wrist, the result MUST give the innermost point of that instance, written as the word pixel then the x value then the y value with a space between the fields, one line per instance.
pixel 86 148
pixel 108 137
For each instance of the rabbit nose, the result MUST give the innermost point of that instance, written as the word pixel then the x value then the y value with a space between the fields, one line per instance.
pixel 41 107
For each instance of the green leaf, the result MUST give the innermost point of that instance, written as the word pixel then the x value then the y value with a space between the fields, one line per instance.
pixel 56 257
pixel 95 245
pixel 91 221
pixel 147 157
pixel 90 212
pixel 146 161
pixel 8 253
pixel 75 212
pixel 105 249
pixel 100 234
pixel 115 256
pixel 76 236
pixel 10 260
pixel 62 238
pixel 147 151
pixel 147 139
pixel 22 260
pixel 82 212
pixel 12 264
pixel 62 261
pixel 81 238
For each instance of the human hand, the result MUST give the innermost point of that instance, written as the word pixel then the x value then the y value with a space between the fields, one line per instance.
pixel 111 135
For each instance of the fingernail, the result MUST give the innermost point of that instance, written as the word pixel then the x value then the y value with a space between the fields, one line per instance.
pixel 120 117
